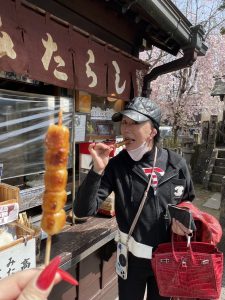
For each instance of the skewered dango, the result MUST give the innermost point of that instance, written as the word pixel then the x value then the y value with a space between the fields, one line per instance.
pixel 54 201
pixel 55 179
pixel 119 144
pixel 57 136
pixel 56 159
pixel 53 223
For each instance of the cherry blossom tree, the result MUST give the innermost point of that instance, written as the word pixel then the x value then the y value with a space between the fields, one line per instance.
pixel 185 94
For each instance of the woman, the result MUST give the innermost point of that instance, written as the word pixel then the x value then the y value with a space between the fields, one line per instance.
pixel 127 174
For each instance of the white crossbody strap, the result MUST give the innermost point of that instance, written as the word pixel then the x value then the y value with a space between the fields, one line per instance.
pixel 137 249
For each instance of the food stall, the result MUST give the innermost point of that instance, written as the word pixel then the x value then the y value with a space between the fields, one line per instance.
pixel 59 55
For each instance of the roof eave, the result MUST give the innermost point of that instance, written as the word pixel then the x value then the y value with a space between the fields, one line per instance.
pixel 175 24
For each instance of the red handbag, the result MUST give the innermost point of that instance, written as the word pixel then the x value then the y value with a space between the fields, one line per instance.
pixel 189 272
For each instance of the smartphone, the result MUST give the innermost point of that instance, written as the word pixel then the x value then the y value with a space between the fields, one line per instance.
pixel 181 214
pixel 122 260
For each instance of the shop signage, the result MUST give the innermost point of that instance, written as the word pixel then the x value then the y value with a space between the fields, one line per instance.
pixel 99 114
pixel 17 258
pixel 44 48
pixel 80 127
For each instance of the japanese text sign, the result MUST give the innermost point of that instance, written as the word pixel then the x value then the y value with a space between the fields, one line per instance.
pixel 17 258
pixel 47 49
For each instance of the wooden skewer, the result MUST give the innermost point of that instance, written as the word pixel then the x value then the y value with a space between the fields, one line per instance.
pixel 48 250
pixel 60 118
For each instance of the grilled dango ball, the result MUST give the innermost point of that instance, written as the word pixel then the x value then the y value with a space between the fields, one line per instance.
pixel 56 159
pixel 57 137
pixel 54 201
pixel 53 223
pixel 55 181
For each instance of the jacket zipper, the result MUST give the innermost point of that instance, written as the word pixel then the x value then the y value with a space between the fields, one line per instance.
pixel 156 192
pixel 156 202
pixel 157 199
pixel 157 210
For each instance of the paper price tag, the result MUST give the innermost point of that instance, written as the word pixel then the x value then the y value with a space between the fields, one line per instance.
pixel 9 213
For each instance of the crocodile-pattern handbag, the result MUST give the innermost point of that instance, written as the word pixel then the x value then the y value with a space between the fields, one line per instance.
pixel 188 272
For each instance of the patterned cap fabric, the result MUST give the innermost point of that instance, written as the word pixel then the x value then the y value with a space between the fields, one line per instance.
pixel 140 109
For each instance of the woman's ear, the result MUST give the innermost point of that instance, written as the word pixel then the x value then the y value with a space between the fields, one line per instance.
pixel 151 136
pixel 153 133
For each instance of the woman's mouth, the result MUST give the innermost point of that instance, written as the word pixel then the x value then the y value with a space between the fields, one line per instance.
pixel 129 140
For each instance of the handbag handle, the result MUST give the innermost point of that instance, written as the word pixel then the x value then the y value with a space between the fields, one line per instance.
pixel 189 249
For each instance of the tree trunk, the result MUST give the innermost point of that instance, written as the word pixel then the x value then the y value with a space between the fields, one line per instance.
pixel 175 136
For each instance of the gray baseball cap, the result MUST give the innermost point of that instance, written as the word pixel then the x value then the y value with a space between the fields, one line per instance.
pixel 140 109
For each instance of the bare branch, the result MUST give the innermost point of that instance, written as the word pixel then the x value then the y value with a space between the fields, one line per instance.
pixel 214 27
pixel 196 11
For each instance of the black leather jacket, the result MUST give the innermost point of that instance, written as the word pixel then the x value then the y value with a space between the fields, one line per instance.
pixel 127 179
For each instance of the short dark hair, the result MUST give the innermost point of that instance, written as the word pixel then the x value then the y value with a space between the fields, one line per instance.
pixel 157 136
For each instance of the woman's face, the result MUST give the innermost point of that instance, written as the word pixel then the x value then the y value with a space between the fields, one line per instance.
pixel 137 133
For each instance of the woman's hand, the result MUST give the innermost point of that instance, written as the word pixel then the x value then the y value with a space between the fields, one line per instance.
pixel 33 284
pixel 100 155
pixel 179 228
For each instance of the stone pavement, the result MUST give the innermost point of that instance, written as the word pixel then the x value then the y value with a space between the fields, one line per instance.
pixel 210 202
pixel 207 201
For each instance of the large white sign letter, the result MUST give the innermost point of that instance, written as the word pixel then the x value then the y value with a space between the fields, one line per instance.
pixel 121 89
pixel 89 71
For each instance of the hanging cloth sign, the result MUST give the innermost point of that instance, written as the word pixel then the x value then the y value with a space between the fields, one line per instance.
pixel 90 64
pixel 13 56
pixel 39 45
pixel 119 74
pixel 48 45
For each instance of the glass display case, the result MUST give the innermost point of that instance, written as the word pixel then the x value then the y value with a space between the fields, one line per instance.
pixel 24 119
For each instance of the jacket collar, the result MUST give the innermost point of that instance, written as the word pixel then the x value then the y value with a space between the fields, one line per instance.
pixel 174 164
pixel 166 159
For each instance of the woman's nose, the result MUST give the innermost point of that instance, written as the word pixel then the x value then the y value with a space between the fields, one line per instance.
pixel 126 129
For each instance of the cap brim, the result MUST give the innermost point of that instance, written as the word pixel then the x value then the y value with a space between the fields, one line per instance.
pixel 132 114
